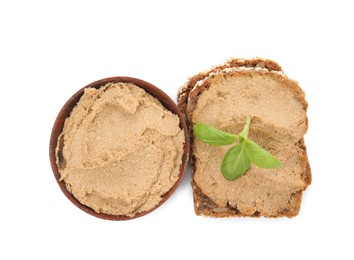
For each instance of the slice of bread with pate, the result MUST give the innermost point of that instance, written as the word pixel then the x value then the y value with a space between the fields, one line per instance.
pixel 223 97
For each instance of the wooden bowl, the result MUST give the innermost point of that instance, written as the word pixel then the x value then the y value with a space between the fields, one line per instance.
pixel 165 100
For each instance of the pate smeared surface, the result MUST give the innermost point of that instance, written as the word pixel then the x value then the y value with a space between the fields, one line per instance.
pixel 120 150
pixel 278 122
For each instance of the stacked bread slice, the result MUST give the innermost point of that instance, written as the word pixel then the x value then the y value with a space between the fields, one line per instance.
pixel 223 97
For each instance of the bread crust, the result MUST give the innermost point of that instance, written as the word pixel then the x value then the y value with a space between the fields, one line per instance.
pixel 188 96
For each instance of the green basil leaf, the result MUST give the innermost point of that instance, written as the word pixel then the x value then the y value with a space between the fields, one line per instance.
pixel 259 156
pixel 235 162
pixel 212 136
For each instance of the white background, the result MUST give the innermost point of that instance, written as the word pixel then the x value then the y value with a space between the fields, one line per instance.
pixel 50 49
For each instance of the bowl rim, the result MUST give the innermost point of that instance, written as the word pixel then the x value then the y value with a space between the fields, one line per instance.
pixel 64 113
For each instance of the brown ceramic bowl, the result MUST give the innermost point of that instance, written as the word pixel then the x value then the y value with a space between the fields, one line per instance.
pixel 65 112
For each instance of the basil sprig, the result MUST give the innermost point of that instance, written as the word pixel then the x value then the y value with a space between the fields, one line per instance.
pixel 237 159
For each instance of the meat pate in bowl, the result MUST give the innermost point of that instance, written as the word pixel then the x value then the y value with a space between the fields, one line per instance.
pixel 119 148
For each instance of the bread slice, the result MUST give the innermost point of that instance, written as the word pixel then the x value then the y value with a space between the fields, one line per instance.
pixel 223 97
